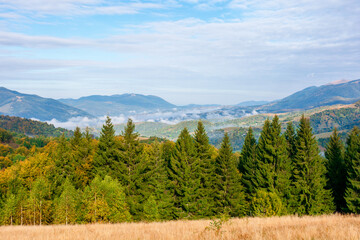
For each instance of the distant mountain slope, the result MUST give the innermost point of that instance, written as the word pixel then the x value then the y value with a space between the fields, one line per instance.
pixel 32 106
pixel 334 93
pixel 117 104
pixel 31 127
pixel 252 103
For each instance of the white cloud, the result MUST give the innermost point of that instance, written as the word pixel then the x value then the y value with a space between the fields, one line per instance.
pixel 268 50
pixel 75 7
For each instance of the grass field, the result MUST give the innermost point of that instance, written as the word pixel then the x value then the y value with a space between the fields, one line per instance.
pixel 320 227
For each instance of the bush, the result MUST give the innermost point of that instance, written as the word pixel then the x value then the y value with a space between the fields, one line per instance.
pixel 266 204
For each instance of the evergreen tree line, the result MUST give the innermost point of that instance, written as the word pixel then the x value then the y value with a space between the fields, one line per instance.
pixel 118 179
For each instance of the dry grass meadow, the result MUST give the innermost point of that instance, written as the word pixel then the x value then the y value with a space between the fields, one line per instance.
pixel 290 227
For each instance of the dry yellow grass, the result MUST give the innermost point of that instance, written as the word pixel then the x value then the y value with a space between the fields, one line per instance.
pixel 321 227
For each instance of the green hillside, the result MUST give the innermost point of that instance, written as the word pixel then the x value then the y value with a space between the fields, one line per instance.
pixel 30 127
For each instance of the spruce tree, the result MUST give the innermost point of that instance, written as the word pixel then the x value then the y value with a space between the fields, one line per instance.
pixel 207 171
pixel 184 174
pixel 336 173
pixel 290 136
pixel 83 149
pixel 273 164
pixel 158 184
pixel 229 195
pixel 309 193
pixel 247 164
pixel 352 162
pixel 64 164
pixel 136 172
pixel 106 159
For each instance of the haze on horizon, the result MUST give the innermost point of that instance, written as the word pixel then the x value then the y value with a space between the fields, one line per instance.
pixel 185 51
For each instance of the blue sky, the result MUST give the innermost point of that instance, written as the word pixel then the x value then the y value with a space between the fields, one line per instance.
pixel 186 51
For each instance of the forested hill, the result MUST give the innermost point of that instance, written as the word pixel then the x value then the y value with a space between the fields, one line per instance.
pixel 31 127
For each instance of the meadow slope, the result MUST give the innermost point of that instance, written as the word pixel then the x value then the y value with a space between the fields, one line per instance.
pixel 288 227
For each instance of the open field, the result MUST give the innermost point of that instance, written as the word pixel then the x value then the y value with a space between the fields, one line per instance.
pixel 321 227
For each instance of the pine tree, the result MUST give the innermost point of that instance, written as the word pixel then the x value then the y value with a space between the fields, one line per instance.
pixel 65 212
pixel 352 162
pixel 158 182
pixel 336 173
pixel 308 188
pixel 64 164
pixel 184 173
pixel 207 171
pixel 290 136
pixel 229 194
pixel 273 164
pixel 82 153
pixel 247 164
pixel 106 159
pixel 134 171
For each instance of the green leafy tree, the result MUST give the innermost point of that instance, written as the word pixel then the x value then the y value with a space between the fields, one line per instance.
pixel 39 199
pixel 65 211
pixel 336 172
pixel 352 160
pixel 114 195
pixel 228 189
pixel 309 193
pixel 266 204
pixel 96 207
pixel 151 210
pixel 9 209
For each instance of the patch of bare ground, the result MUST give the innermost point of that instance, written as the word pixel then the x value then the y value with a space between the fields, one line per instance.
pixel 289 227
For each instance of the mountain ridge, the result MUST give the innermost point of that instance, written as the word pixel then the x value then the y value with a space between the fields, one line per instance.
pixel 100 105
pixel 18 104
pixel 311 97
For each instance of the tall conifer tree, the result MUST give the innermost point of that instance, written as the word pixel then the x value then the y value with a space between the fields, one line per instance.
pixel 273 164
pixel 290 136
pixel 184 173
pixel 309 193
pixel 352 161
pixel 136 174
pixel 229 193
pixel 336 172
pixel 247 164
pixel 207 170
pixel 106 159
